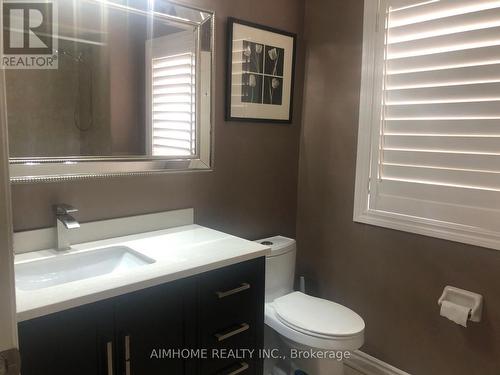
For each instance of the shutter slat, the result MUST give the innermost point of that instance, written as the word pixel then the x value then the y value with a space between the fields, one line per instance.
pixel 170 151
pixel 172 107
pixel 442 60
pixel 173 98
pixel 458 177
pixel 488 109
pixel 453 195
pixel 451 127
pixel 448 25
pixel 479 145
pixel 171 61
pixel 164 128
pixel 177 143
pixel 438 10
pixel 172 134
pixel 175 80
pixel 172 70
pixel 172 124
pixel 446 77
pixel 462 93
pixel 173 116
pixel 157 140
pixel 454 42
pixel 443 160
pixel 173 89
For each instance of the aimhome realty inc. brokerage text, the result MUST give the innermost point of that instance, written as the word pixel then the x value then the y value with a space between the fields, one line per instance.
pixel 247 353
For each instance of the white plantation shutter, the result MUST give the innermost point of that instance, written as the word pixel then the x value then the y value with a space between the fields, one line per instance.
pixel 172 107
pixel 436 129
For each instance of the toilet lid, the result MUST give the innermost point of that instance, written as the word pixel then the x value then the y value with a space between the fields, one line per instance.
pixel 318 316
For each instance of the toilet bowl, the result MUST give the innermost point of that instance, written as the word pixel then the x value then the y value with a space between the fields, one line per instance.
pixel 314 334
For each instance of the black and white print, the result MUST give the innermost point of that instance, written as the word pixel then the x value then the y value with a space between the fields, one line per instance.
pixel 260 73
pixel 262 68
pixel 273 90
pixel 252 88
pixel 274 61
pixel 253 57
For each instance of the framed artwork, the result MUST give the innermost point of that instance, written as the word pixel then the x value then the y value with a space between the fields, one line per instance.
pixel 260 73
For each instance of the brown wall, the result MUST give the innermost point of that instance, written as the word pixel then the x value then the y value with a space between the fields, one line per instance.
pixel 126 48
pixel 392 279
pixel 251 193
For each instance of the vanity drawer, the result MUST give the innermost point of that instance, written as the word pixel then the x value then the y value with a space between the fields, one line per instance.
pixel 233 367
pixel 213 322
pixel 224 354
pixel 243 367
pixel 234 288
pixel 237 339
pixel 236 336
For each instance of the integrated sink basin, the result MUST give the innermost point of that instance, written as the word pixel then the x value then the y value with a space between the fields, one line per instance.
pixel 65 268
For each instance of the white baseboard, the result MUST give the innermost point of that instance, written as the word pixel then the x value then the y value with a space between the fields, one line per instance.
pixel 368 365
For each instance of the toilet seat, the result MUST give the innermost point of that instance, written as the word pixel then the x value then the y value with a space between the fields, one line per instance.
pixel 317 317
pixel 306 338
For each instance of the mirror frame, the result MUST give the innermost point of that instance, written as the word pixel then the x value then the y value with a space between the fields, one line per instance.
pixel 53 169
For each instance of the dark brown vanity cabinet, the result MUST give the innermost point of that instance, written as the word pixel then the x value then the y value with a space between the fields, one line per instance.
pixel 76 341
pixel 221 311
pixel 150 320
pixel 231 318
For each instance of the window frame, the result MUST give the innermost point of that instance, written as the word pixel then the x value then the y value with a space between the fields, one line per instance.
pixel 369 128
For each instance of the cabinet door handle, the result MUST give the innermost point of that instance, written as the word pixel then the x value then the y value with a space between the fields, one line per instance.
pixel 109 357
pixel 221 336
pixel 243 366
pixel 127 355
pixel 241 288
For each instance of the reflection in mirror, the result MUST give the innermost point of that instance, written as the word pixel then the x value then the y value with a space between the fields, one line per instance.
pixel 131 82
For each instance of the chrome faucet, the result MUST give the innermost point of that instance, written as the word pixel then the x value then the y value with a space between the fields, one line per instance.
pixel 64 222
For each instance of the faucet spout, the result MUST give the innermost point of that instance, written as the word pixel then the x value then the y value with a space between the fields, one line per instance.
pixel 68 221
pixel 64 223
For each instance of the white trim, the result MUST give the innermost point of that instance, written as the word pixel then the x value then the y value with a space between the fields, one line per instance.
pixel 368 365
pixel 8 324
pixel 365 110
pixel 444 231
pixel 41 239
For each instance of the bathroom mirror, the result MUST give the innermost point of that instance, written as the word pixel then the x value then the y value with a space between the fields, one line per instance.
pixel 131 93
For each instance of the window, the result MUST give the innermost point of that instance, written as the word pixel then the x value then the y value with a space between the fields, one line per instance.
pixel 172 95
pixel 429 131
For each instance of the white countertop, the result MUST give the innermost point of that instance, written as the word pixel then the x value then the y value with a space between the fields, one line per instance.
pixel 178 252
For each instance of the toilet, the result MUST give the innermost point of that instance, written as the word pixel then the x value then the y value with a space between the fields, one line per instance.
pixel 300 325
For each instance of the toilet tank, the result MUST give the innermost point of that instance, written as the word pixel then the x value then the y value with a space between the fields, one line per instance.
pixel 280 266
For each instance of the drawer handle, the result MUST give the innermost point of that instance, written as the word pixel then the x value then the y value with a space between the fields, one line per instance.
pixel 243 366
pixel 225 335
pixel 109 357
pixel 127 354
pixel 241 288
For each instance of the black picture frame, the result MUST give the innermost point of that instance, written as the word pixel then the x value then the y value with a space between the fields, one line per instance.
pixel 263 74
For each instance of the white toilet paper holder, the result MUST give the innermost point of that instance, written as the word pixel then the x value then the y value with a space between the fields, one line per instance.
pixel 471 300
